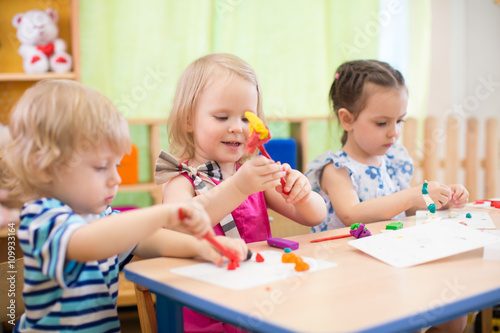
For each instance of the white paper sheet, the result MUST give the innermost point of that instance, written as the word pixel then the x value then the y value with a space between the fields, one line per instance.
pixel 478 220
pixel 423 243
pixel 492 251
pixel 250 273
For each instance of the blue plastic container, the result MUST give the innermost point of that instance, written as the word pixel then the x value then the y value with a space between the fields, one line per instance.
pixel 283 150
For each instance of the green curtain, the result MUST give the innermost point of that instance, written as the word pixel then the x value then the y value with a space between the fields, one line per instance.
pixel 419 58
pixel 134 52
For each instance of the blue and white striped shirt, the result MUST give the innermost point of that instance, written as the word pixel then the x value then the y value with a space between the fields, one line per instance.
pixel 59 294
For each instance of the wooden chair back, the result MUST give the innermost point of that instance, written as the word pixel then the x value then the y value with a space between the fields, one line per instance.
pixel 146 309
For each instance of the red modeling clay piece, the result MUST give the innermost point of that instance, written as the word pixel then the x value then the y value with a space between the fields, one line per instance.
pixel 233 264
pixel 259 258
pixel 493 203
pixel 254 142
pixel 181 214
pixel 289 258
pixel 301 265
pixel 462 223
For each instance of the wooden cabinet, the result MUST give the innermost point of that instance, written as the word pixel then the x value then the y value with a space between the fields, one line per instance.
pixel 13 80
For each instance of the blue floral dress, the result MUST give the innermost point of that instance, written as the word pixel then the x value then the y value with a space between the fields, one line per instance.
pixel 393 175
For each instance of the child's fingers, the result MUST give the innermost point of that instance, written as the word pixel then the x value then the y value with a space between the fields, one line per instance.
pixel 286 167
pixel 209 233
pixel 195 219
pixel 303 190
pixel 233 244
pixel 261 160
pixel 273 179
pixel 445 190
pixel 291 178
pixel 443 198
pixel 461 198
pixel 440 193
pixel 298 186
pixel 458 197
pixel 209 253
pixel 273 183
pixel 460 194
pixel 295 194
pixel 273 168
pixel 269 169
pixel 456 190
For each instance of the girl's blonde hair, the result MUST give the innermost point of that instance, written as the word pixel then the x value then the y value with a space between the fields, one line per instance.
pixel 192 82
pixel 50 126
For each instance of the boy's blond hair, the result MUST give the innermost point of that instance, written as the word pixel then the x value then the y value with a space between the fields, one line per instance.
pixel 194 79
pixel 51 125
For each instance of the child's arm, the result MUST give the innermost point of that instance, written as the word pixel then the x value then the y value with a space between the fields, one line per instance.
pixel 114 234
pixel 254 176
pixel 301 205
pixel 337 184
pixel 168 243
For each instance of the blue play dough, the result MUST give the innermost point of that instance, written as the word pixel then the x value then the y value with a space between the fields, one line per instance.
pixel 432 208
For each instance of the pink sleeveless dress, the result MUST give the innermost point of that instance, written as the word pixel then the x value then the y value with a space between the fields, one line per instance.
pixel 252 222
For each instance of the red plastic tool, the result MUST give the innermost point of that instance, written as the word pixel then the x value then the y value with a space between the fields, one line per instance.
pixel 231 255
pixel 330 238
pixel 259 134
pixel 225 251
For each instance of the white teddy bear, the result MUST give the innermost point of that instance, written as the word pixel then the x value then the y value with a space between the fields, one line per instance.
pixel 40 48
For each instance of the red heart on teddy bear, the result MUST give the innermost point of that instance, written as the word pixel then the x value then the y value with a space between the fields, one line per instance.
pixel 47 49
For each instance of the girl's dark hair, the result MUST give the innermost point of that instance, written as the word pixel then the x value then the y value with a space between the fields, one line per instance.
pixel 347 90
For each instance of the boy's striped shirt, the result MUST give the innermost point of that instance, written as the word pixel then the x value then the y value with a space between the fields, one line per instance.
pixel 64 295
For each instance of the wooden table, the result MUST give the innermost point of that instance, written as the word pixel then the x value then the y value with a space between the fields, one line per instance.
pixel 361 294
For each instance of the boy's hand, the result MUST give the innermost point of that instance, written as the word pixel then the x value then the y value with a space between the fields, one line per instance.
pixel 210 253
pixel 296 183
pixel 189 218
pixel 258 174
pixel 459 196
pixel 439 193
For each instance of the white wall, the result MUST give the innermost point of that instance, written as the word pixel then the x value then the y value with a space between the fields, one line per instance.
pixel 465 68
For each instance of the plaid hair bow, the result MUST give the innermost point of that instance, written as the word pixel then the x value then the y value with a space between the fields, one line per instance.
pixel 168 167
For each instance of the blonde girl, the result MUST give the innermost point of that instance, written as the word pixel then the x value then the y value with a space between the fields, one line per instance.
pixel 208 135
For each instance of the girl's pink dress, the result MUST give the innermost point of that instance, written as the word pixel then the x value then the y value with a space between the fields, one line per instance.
pixel 252 222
